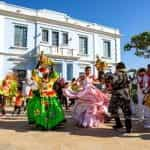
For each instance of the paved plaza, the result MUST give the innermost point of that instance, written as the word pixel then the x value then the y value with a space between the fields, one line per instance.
pixel 16 134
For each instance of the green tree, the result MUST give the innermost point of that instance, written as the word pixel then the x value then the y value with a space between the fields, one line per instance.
pixel 140 43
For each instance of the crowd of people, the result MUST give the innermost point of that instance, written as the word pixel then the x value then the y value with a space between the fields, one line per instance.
pixel 92 100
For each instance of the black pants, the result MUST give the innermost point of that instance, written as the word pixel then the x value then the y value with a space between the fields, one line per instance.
pixel 123 102
pixel 17 110
pixel 64 101
pixel 25 104
pixel 72 102
pixel 2 104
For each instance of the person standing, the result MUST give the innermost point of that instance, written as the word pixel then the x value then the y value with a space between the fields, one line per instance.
pixel 74 88
pixel 2 102
pixel 146 101
pixel 120 98
pixel 18 103
pixel 141 79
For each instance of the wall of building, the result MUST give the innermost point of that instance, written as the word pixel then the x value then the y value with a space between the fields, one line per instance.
pixel 14 57
pixel 74 35
pixel 2 47
pixel 9 35
pixel 25 58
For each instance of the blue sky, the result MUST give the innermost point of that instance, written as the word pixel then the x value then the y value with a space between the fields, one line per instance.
pixel 130 16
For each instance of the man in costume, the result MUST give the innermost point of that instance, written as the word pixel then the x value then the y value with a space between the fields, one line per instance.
pixel 120 98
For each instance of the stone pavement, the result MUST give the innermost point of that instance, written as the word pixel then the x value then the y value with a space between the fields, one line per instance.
pixel 16 134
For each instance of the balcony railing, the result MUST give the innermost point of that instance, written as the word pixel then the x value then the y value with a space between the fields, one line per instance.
pixel 58 51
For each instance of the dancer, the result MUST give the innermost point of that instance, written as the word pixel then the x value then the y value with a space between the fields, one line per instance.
pixel 4 93
pixel 44 108
pixel 8 90
pixel 120 98
pixel 91 104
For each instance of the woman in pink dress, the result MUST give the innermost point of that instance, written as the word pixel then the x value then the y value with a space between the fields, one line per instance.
pixel 91 104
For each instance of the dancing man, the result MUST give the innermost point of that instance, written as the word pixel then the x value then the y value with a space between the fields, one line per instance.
pixel 120 98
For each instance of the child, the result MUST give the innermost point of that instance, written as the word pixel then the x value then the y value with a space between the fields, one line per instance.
pixel 64 96
pixel 18 103
pixel 74 87
pixel 67 92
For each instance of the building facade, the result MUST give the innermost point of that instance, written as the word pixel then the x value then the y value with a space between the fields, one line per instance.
pixel 71 43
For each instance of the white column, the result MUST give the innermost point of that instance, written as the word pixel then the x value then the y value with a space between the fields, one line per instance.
pixel 76 69
pixel 29 74
pixel 64 70
pixel 118 49
pixel 1 66
pixel 2 47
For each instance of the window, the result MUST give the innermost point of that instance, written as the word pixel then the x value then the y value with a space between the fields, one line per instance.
pixel 69 71
pixel 107 49
pixel 58 68
pixel 83 45
pixel 20 36
pixel 45 35
pixel 55 38
pixel 65 38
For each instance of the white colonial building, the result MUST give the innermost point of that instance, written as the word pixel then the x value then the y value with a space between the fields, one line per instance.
pixel 71 43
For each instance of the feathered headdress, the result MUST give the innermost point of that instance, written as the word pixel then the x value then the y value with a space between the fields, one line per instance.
pixel 100 65
pixel 45 60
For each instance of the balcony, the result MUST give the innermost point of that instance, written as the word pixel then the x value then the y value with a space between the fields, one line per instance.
pixel 60 52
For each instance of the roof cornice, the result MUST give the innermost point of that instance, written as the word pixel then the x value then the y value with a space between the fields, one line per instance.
pixel 38 16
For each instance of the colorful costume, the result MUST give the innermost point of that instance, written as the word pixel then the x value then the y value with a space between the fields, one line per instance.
pixel 4 92
pixel 91 105
pixel 50 113
pixel 44 108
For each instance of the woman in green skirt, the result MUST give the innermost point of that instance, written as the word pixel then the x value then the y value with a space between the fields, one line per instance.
pixel 44 108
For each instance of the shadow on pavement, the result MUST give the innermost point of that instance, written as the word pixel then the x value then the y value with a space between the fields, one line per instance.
pixel 70 128
pixel 16 125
